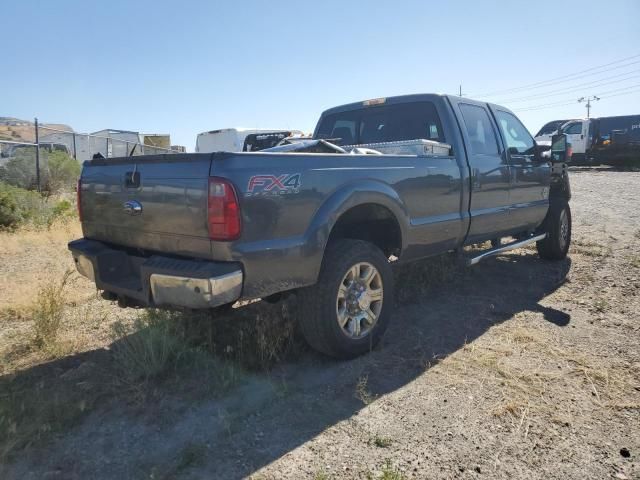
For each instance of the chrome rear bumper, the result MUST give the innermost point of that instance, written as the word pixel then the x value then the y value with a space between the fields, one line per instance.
pixel 195 292
pixel 156 280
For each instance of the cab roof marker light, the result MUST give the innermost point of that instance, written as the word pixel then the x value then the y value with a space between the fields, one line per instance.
pixel 374 101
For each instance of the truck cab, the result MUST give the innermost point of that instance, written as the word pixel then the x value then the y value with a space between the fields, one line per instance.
pixel 579 137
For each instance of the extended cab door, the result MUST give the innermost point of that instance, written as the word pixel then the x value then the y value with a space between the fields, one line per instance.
pixel 530 173
pixel 489 203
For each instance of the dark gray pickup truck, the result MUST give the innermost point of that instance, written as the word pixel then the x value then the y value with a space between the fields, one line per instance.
pixel 205 230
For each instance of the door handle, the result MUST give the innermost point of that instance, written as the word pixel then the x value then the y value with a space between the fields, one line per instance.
pixel 132 179
pixel 476 179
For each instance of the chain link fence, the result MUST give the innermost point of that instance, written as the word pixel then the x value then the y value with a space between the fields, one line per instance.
pixel 28 161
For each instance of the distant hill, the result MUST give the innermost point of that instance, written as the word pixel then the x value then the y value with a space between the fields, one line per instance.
pixel 17 130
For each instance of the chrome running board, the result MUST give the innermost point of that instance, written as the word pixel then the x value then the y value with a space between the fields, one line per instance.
pixel 505 248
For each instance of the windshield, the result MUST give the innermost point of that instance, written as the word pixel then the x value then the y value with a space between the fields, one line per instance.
pixel 385 123
pixel 550 127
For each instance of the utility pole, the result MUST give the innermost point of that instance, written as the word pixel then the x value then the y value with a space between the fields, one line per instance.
pixel 590 99
pixel 35 121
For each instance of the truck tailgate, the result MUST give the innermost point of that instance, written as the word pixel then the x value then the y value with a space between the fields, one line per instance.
pixel 156 203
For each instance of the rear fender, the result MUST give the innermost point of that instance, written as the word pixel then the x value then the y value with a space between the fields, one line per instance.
pixel 349 196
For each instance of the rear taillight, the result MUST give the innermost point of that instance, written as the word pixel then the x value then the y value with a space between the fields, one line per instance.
pixel 223 210
pixel 79 198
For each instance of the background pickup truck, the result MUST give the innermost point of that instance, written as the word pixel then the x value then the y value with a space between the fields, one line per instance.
pixel 205 230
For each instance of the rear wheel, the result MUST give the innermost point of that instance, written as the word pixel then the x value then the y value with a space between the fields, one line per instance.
pixel 557 226
pixel 345 314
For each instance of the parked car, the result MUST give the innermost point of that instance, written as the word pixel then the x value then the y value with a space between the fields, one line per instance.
pixel 204 230
pixel 240 139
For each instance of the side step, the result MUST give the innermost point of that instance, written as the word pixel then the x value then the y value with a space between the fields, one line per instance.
pixel 505 248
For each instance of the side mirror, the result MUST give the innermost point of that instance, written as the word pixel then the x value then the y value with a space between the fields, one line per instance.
pixel 560 148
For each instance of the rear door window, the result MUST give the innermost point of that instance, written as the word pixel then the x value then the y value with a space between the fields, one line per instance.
pixel 384 123
pixel 482 136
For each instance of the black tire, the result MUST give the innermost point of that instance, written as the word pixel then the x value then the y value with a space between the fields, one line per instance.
pixel 318 315
pixel 557 226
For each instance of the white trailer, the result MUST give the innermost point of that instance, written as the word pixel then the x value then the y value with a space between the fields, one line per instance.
pixel 241 139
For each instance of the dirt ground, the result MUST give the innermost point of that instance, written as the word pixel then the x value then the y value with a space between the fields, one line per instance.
pixel 515 368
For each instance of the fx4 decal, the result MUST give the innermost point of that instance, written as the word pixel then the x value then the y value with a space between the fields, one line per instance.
pixel 273 185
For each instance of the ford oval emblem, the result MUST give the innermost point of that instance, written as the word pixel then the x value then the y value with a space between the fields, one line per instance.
pixel 132 207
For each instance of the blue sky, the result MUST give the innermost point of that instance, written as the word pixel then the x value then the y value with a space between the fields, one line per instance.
pixel 190 66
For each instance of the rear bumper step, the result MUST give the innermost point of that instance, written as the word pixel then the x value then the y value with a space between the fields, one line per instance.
pixel 157 280
pixel 505 248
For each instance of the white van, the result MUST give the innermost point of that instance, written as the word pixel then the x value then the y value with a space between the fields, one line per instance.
pixel 241 139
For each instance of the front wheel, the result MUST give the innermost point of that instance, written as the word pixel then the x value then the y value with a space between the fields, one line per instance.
pixel 557 226
pixel 346 312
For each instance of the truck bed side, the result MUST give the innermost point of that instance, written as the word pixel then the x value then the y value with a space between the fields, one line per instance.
pixel 291 203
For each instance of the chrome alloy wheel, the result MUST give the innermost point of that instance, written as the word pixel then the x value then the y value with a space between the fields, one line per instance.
pixel 359 301
pixel 564 229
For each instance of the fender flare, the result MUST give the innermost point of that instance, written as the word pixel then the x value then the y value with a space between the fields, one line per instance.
pixel 348 196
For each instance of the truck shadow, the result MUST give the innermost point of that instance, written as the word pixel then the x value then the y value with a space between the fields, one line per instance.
pixel 270 414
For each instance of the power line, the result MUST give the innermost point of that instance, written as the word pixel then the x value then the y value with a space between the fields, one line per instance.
pixel 561 79
pixel 545 105
pixel 603 95
pixel 579 86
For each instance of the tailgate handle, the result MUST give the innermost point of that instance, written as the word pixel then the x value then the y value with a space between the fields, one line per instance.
pixel 132 179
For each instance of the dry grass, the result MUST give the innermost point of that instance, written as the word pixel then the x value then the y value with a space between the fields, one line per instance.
pixel 48 311
pixel 537 377
pixel 415 279
pixel 256 336
pixel 382 442
pixel 388 472
pixel 362 392
pixel 157 345
pixel 590 248
pixel 31 257
pixel 529 376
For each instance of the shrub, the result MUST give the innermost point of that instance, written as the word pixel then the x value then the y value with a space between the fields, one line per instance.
pixel 20 171
pixel 48 311
pixel 63 171
pixel 64 208
pixel 19 206
pixel 149 348
pixel 9 215
pixel 161 342
pixel 26 207
pixel 58 170
pixel 256 336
